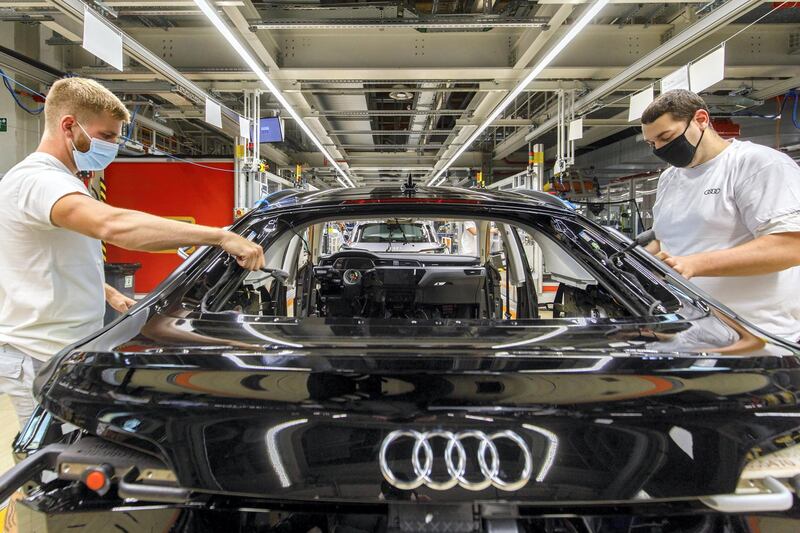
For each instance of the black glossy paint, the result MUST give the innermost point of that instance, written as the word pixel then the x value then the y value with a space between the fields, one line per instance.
pixel 297 410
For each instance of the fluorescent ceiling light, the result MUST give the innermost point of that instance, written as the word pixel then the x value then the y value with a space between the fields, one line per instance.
pixel 576 28
pixel 254 65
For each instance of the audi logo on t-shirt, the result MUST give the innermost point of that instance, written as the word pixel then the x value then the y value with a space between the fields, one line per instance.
pixel 711 191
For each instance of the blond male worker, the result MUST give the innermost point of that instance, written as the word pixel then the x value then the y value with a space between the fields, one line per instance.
pixel 52 285
pixel 727 214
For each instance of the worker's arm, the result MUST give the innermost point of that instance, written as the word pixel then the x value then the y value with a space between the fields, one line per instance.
pixel 763 255
pixel 135 230
pixel 117 300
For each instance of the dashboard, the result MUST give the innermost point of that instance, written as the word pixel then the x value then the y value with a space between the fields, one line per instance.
pixel 359 283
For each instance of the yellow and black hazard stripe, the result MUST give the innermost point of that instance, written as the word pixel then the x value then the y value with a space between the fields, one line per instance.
pixel 101 195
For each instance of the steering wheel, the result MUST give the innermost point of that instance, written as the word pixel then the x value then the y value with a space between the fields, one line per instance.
pixel 352 277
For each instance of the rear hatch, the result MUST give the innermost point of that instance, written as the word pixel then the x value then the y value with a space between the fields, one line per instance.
pixel 570 412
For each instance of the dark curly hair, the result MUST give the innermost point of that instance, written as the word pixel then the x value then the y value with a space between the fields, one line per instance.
pixel 679 103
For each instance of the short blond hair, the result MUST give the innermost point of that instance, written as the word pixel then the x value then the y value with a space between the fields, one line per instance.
pixel 83 98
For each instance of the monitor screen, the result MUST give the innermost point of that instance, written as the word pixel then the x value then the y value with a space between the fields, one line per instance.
pixel 271 130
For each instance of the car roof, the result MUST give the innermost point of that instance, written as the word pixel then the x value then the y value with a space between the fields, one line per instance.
pixel 387 194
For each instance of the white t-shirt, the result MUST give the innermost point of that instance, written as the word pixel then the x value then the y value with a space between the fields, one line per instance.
pixel 51 279
pixel 468 245
pixel 745 192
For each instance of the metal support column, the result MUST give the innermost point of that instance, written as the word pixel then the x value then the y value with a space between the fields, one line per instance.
pixel 536 179
pixel 254 176
pixel 239 152
pixel 249 177
pixel 635 224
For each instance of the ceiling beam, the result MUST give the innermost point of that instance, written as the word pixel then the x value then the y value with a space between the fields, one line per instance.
pixel 74 9
pixel 426 101
pixel 238 18
pixel 408 160
pixel 359 113
pixel 717 19
pixel 289 86
pixel 167 3
pixel 222 3
pixel 601 128
pixel 578 2
pixel 461 22
pixel 489 101
pixel 539 38
pixel 506 122
pixel 777 89
pixel 21 64
pixel 397 133
pixel 43 4
pixel 443 75
pixel 67 28
pixel 384 147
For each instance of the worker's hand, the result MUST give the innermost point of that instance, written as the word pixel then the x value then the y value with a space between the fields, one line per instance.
pixel 118 301
pixel 683 265
pixel 248 254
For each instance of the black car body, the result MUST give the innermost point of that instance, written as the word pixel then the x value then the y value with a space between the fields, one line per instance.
pixel 417 406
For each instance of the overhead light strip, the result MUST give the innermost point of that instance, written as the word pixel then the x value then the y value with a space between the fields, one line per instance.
pixel 576 28
pixel 254 65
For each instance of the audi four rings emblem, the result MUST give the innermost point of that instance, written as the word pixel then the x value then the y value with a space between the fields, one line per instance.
pixel 455 459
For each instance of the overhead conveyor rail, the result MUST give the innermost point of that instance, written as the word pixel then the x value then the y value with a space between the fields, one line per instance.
pixel 75 9
pixel 719 18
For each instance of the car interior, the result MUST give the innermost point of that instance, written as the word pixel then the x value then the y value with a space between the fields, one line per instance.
pixel 312 273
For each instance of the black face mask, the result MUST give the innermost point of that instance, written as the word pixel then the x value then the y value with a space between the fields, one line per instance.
pixel 679 152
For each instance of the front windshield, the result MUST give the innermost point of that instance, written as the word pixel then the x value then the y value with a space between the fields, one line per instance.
pixel 387 232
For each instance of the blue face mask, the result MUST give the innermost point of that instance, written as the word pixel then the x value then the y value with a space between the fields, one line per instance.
pixel 99 156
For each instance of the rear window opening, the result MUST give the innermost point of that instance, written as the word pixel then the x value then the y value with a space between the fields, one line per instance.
pixel 375 269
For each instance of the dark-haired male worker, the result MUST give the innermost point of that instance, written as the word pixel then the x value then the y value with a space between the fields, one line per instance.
pixel 727 214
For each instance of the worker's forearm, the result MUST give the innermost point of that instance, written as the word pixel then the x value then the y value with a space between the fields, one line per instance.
pixel 654 247
pixel 764 255
pixel 139 231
